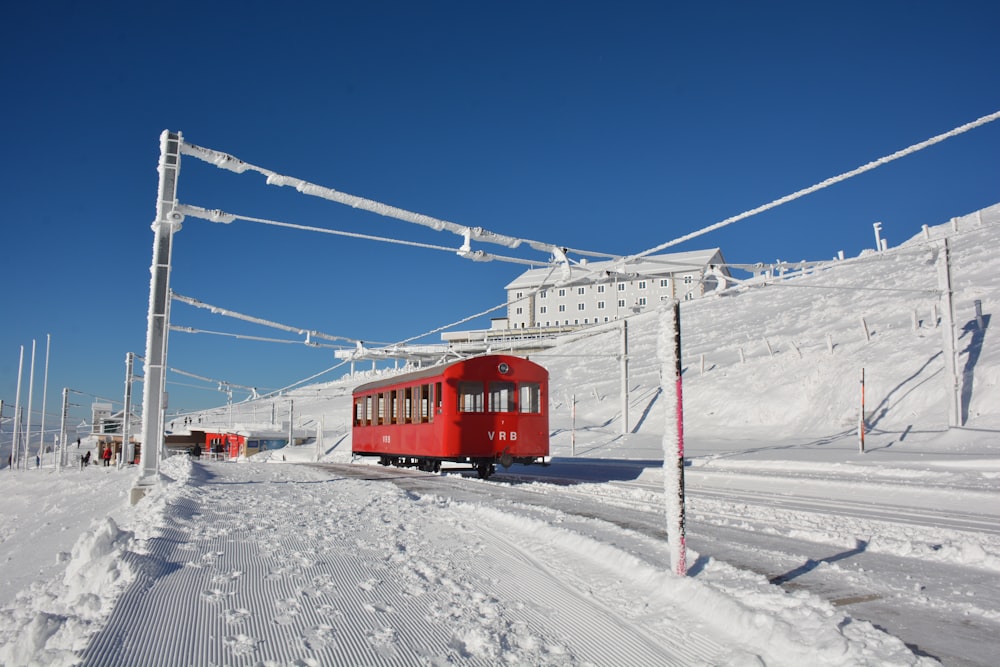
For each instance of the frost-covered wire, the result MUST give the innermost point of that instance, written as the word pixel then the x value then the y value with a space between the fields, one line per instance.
pixel 257 320
pixel 819 186
pixel 236 165
pixel 215 215
pixel 262 339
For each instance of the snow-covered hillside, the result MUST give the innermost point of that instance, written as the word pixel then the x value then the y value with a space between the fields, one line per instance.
pixel 804 549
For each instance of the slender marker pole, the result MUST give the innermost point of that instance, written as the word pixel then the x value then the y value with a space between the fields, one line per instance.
pixel 861 418
pixel 669 352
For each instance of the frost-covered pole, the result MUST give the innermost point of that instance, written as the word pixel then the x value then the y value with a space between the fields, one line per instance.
pixel 15 437
pixel 127 453
pixel 167 223
pixel 948 333
pixel 62 427
pixel 861 418
pixel 45 391
pixel 624 374
pixel 31 392
pixel 669 352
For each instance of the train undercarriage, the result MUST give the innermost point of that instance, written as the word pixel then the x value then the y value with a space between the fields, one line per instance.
pixel 484 467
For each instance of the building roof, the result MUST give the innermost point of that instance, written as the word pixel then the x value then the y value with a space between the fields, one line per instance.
pixel 653 265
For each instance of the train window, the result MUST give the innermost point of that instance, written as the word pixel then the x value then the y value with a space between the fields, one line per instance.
pixel 393 407
pixel 501 397
pixel 368 410
pixel 470 396
pixel 408 405
pixel 380 408
pixel 436 399
pixel 359 411
pixel 425 402
pixel 530 397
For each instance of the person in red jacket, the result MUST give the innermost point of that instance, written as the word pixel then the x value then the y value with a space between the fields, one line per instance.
pixel 106 455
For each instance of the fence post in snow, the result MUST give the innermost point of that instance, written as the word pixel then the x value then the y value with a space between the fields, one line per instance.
pixel 796 348
pixel 864 325
pixel 927 233
pixel 669 353
pixel 743 358
pixel 829 342
pixel 934 315
pixel 954 224
pixel 770 352
pixel 916 321
pixel 979 314
pixel 948 334
pixel 861 418
pixel 703 363
pixel 572 433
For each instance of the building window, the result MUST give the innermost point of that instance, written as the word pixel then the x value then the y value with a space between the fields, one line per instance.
pixel 580 290
pixel 541 295
pixel 664 282
pixel 689 296
pixel 518 295
pixel 562 292
pixel 562 307
pixel 688 279
pixel 518 311
pixel 621 287
pixel 543 309
pixel 642 301
pixel 621 303
pixel 600 289
pixel 580 306
pixel 600 305
pixel 642 284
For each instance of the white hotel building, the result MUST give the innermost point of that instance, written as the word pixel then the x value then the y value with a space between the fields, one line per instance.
pixel 610 296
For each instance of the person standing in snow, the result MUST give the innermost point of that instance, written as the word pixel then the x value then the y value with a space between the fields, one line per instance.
pixel 106 455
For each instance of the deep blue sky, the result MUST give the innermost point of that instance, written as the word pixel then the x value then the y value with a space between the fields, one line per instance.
pixel 604 126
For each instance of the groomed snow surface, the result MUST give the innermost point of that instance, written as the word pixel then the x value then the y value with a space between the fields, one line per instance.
pixel 802 549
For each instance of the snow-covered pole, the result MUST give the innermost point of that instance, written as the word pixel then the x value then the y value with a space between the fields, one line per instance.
pixel 15 437
pixel 127 455
pixel 45 391
pixel 31 392
pixel 572 433
pixel 167 223
pixel 948 334
pixel 861 418
pixel 624 377
pixel 669 352
pixel 62 427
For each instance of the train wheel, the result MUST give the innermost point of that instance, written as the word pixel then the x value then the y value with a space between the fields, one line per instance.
pixel 437 466
pixel 485 469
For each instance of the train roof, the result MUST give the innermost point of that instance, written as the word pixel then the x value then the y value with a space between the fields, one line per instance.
pixel 436 371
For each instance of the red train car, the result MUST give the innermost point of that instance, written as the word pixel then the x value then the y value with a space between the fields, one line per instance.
pixel 482 411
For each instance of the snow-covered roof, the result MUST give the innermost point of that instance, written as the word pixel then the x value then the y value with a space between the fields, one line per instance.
pixel 653 265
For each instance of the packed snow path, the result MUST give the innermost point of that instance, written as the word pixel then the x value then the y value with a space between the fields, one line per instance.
pixel 257 564
pixel 280 563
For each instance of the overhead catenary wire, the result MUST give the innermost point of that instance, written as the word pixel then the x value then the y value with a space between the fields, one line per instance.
pixel 258 320
pixel 231 163
pixel 216 215
pixel 819 186
pixel 263 339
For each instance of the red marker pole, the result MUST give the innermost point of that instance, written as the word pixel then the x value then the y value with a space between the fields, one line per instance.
pixel 669 352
